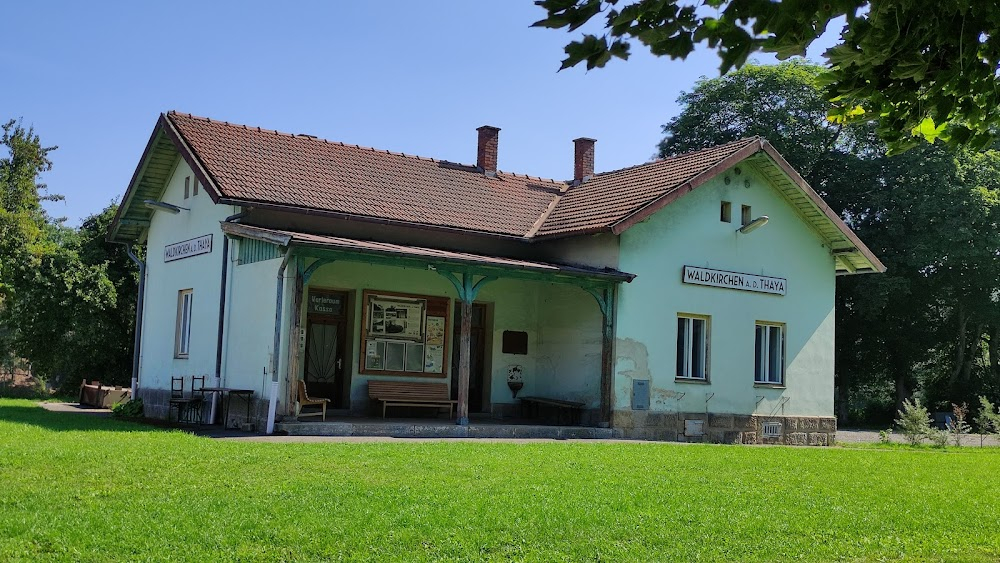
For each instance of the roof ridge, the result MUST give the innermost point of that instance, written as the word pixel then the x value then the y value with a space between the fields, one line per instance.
pixel 744 141
pixel 317 139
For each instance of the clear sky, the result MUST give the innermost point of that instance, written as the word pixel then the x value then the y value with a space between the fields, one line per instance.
pixel 410 76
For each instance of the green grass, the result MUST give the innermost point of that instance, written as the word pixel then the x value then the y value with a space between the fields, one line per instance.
pixel 79 488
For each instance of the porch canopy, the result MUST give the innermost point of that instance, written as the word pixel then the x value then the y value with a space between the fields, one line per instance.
pixel 466 271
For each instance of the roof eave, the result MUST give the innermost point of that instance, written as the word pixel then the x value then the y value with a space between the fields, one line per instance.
pixel 112 235
pixel 862 249
pixel 257 204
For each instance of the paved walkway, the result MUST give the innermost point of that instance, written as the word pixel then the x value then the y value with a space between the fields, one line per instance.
pixel 851 436
pixel 844 436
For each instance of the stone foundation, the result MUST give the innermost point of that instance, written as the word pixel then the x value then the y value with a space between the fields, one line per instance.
pixel 722 428
pixel 156 404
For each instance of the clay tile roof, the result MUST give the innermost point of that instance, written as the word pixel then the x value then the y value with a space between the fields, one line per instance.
pixel 611 197
pixel 250 164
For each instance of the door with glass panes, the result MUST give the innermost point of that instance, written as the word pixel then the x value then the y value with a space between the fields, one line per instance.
pixel 325 369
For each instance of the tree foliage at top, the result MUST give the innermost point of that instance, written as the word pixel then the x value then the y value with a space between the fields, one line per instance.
pixel 932 215
pixel 918 69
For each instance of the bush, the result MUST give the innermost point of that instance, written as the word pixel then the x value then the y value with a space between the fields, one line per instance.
pixel 885 436
pixel 958 425
pixel 914 422
pixel 128 409
pixel 988 419
pixel 938 437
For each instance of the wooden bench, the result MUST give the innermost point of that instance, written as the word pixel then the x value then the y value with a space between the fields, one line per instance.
pixel 574 410
pixel 410 394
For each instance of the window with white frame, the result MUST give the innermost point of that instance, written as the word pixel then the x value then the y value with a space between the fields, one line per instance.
pixel 769 353
pixel 182 340
pixel 692 347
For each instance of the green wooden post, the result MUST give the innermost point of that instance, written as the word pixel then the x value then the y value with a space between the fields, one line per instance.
pixel 467 289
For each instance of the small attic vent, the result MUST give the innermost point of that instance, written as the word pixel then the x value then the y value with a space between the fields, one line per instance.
pixel 771 429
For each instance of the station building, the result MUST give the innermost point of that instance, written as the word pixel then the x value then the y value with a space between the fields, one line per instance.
pixel 688 298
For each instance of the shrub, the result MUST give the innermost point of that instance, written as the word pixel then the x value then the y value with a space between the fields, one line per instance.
pixel 938 437
pixel 885 436
pixel 958 425
pixel 128 409
pixel 914 421
pixel 988 419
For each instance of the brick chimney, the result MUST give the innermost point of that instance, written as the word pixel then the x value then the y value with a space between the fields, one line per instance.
pixel 583 159
pixel 486 158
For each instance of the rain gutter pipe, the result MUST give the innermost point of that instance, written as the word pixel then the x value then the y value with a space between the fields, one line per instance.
pixel 138 316
pixel 272 405
pixel 222 317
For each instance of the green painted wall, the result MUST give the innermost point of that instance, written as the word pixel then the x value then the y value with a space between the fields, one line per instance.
pixel 690 232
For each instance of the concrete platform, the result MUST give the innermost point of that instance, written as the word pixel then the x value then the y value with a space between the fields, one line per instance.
pixel 430 428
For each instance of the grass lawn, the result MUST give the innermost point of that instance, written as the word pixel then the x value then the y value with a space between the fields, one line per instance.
pixel 79 488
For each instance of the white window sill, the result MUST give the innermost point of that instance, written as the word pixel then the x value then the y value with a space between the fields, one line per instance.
pixel 691 380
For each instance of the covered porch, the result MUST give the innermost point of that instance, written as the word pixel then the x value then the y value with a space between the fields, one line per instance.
pixel 481 327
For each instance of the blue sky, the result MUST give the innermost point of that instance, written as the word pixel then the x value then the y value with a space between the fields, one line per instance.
pixel 410 76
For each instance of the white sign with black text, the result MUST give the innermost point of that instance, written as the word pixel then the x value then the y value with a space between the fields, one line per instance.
pixel 187 248
pixel 734 280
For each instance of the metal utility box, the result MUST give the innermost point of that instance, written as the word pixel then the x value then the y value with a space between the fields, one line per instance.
pixel 640 394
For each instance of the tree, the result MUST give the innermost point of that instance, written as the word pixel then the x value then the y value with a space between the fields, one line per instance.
pixel 917 69
pixel 75 305
pixel 930 214
pixel 22 219
pixel 67 297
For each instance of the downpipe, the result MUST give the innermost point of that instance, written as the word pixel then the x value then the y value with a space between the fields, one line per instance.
pixel 138 316
pixel 222 317
pixel 272 405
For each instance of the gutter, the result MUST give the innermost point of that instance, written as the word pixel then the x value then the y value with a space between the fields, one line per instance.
pixel 138 316
pixel 222 315
pixel 272 405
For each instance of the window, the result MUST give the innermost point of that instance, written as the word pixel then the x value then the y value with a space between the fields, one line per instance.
pixel 745 215
pixel 726 214
pixel 692 347
pixel 194 188
pixel 769 354
pixel 182 341
pixel 187 187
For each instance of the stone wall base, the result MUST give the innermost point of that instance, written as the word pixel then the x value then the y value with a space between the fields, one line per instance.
pixel 156 404
pixel 722 428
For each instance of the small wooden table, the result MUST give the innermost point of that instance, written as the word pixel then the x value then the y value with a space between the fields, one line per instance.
pixel 246 394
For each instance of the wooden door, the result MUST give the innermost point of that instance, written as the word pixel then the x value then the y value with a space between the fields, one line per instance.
pixel 477 357
pixel 325 369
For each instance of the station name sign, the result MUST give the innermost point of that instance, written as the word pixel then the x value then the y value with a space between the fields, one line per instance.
pixel 187 248
pixel 734 280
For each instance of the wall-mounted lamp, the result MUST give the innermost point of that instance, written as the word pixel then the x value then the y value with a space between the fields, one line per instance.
pixel 753 225
pixel 163 206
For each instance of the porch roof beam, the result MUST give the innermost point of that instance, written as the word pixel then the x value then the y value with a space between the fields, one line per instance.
pixel 577 278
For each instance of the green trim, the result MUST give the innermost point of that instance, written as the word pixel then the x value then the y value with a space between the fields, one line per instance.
pixel 307 273
pixel 466 288
pixel 419 263
pixel 252 250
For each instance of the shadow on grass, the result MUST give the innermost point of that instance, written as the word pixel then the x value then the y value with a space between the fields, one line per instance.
pixel 35 415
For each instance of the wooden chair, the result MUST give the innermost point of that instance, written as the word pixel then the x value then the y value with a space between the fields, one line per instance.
pixel 306 401
pixel 178 401
pixel 189 407
pixel 196 400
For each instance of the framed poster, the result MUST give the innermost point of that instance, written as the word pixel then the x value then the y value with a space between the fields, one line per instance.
pixel 404 334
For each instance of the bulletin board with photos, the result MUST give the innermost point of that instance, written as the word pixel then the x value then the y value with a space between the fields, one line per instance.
pixel 404 334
